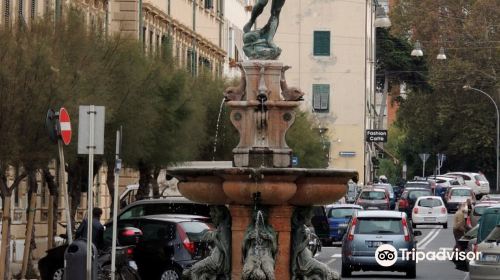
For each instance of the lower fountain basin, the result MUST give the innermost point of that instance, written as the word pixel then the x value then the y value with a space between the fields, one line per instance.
pixel 272 186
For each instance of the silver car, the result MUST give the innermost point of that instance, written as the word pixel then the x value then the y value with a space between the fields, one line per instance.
pixel 373 199
pixel 487 267
pixel 370 229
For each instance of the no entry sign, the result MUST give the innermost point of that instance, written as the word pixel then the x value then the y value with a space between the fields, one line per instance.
pixel 65 126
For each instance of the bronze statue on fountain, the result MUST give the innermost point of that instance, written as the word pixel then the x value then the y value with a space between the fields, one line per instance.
pixel 259 44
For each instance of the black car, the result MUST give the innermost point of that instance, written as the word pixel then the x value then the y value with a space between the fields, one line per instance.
pixel 167 205
pixel 170 244
pixel 409 197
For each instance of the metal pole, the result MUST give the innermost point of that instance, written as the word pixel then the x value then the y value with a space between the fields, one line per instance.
pixel 115 206
pixel 64 187
pixel 498 132
pixel 90 203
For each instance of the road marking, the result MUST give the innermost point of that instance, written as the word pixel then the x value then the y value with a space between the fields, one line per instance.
pixel 466 276
pixel 331 261
pixel 429 240
pixel 336 255
pixel 427 236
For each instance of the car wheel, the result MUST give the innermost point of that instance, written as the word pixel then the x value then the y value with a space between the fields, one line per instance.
pixel 411 273
pixel 445 225
pixel 170 274
pixel 58 274
pixel 346 270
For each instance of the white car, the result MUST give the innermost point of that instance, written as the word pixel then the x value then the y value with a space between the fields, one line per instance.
pixel 430 210
pixel 476 181
pixel 487 267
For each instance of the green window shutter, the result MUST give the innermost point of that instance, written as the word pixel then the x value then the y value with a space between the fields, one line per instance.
pixel 321 43
pixel 321 97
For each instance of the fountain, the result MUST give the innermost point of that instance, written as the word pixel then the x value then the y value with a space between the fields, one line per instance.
pixel 261 204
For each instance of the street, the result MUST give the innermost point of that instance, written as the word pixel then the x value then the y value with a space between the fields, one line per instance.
pixel 433 238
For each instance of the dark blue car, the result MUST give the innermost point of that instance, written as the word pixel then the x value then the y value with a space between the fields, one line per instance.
pixel 339 216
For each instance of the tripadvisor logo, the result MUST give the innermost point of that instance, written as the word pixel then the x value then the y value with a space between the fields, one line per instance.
pixel 386 255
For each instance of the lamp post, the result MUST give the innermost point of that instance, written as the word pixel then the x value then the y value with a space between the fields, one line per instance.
pixel 468 87
pixel 378 18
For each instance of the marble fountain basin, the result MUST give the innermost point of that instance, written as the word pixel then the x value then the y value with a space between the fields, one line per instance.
pixel 274 186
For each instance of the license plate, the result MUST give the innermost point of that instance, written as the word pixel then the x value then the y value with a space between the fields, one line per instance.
pixel 490 258
pixel 374 243
pixel 372 208
pixel 429 219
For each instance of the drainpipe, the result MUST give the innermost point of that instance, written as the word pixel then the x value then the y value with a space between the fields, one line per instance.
pixel 168 7
pixel 193 53
pixel 141 37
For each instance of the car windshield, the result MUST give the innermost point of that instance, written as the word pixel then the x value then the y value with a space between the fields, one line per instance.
pixel 494 235
pixel 479 210
pixel 417 194
pixel 341 212
pixel 372 195
pixel 195 230
pixel 430 202
pixel 379 226
pixel 460 192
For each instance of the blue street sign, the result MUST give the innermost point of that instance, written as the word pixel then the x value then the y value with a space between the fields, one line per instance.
pixel 295 161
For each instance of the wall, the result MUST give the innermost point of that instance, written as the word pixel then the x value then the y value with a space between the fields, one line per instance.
pixel 343 70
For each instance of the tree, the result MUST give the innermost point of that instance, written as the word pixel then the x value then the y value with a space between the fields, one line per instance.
pixel 445 118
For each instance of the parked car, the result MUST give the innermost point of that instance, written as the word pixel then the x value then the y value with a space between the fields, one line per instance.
pixel 458 195
pixel 389 189
pixel 409 197
pixel 430 210
pixel 476 181
pixel 478 211
pixel 339 216
pixel 167 205
pixel 488 265
pixel 370 229
pixel 374 199
pixel 170 244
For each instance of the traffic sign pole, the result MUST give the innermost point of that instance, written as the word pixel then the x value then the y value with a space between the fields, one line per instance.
pixel 90 191
pixel 115 204
pixel 64 186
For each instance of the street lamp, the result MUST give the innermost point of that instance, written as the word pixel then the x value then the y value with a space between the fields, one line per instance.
pixel 417 49
pixel 441 55
pixel 468 87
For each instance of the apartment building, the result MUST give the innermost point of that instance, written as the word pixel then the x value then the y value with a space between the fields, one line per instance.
pixel 325 42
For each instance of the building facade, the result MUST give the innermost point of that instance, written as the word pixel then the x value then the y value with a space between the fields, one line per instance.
pixel 325 42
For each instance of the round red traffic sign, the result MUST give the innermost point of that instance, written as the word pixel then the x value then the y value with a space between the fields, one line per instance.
pixel 65 126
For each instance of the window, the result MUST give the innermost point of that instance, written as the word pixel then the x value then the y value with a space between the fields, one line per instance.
pixel 321 97
pixel 7 12
pixel 209 4
pixel 321 43
pixel 33 9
